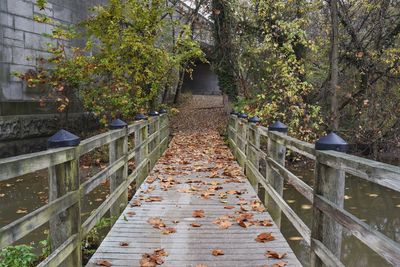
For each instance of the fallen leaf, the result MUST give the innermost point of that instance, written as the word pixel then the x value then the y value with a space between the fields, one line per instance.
pixel 123 244
pixel 201 265
pixel 154 259
pixel 156 222
pixel 22 211
pixel 196 225
pixel 265 237
pixel 218 252
pixel 168 230
pixel 150 180
pixel 275 255
pixel 103 263
pixel 153 199
pixel 130 213
pixel 279 264
pixel 136 203
pixel 229 207
pixel 198 213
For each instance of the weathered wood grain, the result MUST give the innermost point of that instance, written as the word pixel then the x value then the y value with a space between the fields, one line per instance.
pixel 325 254
pixel 373 171
pixel 190 245
pixel 292 179
pixel 20 165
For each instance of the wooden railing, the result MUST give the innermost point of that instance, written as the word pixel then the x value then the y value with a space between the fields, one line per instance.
pixel 327 197
pixel 63 212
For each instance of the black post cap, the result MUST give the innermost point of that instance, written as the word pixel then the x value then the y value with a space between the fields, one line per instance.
pixel 63 138
pixel 243 115
pixel 153 113
pixel 140 116
pixel 234 112
pixel 332 141
pixel 162 111
pixel 254 119
pixel 117 124
pixel 278 127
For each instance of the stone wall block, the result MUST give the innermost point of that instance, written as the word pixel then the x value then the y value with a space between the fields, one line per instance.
pixel 20 8
pixel 10 129
pixel 6 20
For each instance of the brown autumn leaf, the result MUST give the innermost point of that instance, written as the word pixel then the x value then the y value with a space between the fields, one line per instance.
pixel 156 222
pixel 153 199
pixel 201 265
pixel 223 222
pixel 198 213
pixel 130 213
pixel 279 264
pixel 265 237
pixel 154 259
pixel 275 255
pixel 168 230
pixel 257 206
pixel 218 252
pixel 123 244
pixel 196 225
pixel 150 180
pixel 103 263
pixel 229 207
pixel 245 224
pixel 265 222
pixel 136 203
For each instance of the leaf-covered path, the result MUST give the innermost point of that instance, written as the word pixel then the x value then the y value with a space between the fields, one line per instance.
pixel 195 203
pixel 196 208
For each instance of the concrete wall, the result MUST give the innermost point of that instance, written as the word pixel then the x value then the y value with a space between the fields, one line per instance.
pixel 21 43
pixel 22 40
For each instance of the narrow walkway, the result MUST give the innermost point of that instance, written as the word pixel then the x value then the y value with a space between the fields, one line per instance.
pixel 195 209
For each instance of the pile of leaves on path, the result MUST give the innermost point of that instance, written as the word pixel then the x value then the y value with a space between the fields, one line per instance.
pixel 201 114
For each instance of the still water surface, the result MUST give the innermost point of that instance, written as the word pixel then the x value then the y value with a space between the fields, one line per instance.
pixel 375 205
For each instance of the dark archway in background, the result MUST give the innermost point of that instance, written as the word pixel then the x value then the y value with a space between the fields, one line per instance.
pixel 204 82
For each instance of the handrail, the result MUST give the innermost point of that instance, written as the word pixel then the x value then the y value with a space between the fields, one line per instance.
pixel 151 140
pixel 327 196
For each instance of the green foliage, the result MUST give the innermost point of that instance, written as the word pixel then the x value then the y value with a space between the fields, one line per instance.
pixel 17 256
pixel 123 66
pixel 271 45
pixel 95 236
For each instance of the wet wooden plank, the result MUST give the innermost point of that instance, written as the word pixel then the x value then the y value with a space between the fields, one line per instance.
pixel 189 245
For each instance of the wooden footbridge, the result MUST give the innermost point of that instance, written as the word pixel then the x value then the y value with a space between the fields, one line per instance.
pixel 196 207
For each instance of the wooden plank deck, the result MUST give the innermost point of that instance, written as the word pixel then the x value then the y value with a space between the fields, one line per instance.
pixel 197 172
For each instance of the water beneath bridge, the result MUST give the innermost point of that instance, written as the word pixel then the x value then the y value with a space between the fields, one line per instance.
pixel 377 206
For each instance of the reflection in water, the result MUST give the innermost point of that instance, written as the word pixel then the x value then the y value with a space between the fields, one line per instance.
pixel 22 195
pixel 375 205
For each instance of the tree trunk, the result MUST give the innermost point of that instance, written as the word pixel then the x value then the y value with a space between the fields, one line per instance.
pixel 179 86
pixel 165 95
pixel 334 68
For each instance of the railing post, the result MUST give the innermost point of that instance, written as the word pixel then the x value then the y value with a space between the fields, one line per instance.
pixel 242 133
pixel 64 178
pixel 277 152
pixel 142 149
pixel 117 149
pixel 329 183
pixel 252 154
pixel 163 132
pixel 154 127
